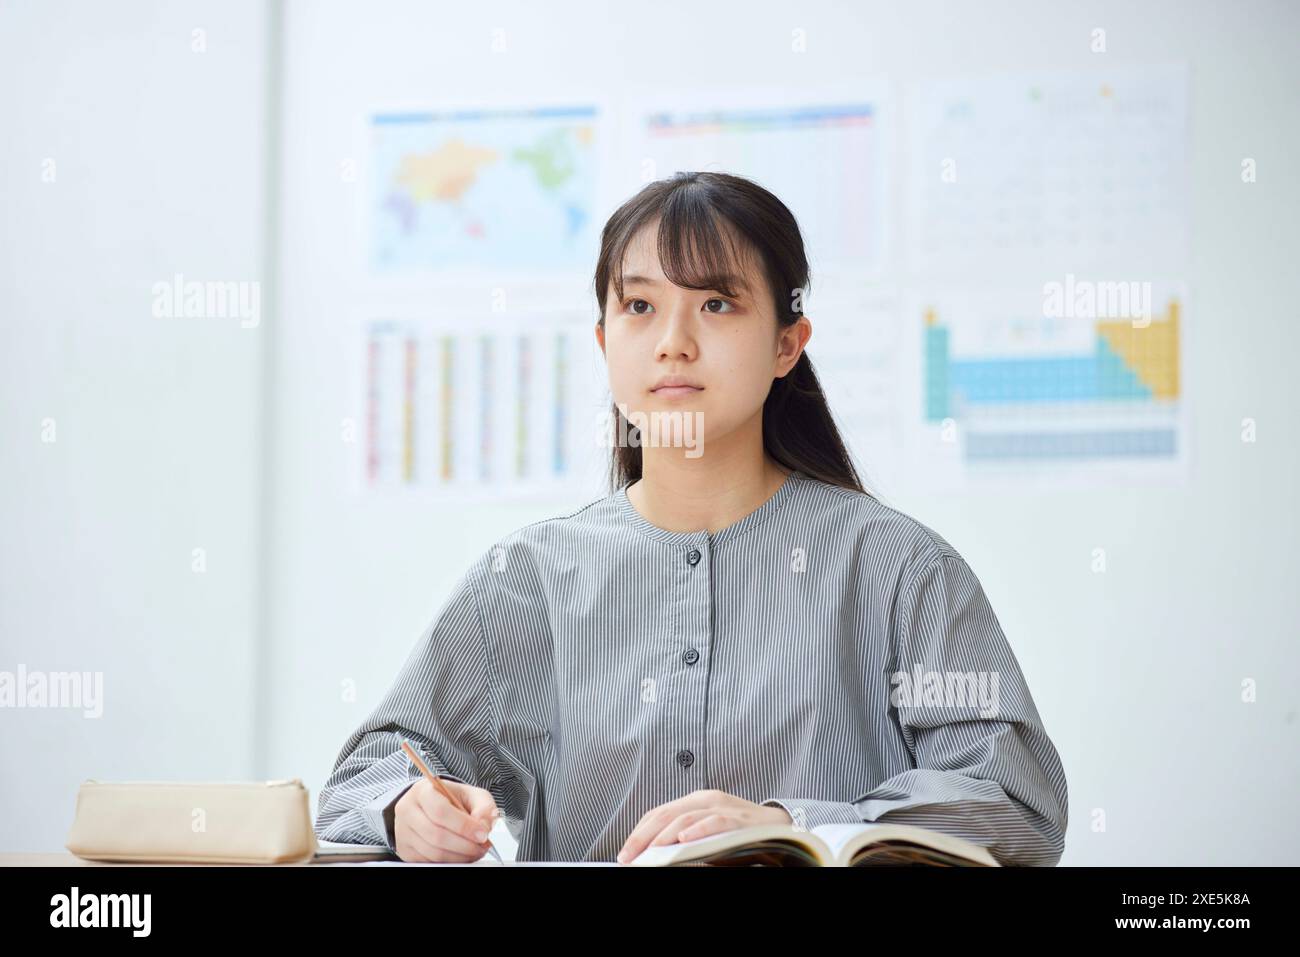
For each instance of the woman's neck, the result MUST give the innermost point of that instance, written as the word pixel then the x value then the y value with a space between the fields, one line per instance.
pixel 680 494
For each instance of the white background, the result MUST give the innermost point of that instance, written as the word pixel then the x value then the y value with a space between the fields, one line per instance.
pixel 183 434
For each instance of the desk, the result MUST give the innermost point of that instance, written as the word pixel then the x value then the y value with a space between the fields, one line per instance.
pixel 71 860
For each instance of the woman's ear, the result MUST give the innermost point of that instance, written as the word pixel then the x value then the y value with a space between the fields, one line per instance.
pixel 794 338
pixel 600 336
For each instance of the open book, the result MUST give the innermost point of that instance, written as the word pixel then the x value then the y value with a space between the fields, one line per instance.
pixel 829 845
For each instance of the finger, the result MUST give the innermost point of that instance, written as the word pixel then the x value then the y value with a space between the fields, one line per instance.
pixel 652 822
pixel 411 846
pixel 439 810
pixel 448 840
pixel 434 810
pixel 431 852
pixel 482 806
pixel 706 827
pixel 670 832
pixel 451 841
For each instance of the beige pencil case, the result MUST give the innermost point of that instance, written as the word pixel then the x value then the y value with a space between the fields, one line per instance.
pixel 260 822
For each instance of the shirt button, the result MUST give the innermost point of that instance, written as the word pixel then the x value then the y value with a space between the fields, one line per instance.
pixel 691 656
pixel 685 758
pixel 693 555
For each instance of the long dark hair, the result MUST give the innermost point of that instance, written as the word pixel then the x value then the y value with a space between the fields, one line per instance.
pixel 695 253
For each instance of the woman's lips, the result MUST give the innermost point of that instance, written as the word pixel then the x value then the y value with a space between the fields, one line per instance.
pixel 672 390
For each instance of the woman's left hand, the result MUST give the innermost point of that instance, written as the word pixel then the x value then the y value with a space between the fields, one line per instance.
pixel 698 814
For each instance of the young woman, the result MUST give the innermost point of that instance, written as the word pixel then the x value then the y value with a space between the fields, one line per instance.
pixel 737 634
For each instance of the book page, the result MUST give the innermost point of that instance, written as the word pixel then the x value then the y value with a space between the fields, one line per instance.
pixel 667 854
pixel 837 836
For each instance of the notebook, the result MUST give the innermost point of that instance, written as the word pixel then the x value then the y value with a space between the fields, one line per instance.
pixel 828 845
pixel 330 852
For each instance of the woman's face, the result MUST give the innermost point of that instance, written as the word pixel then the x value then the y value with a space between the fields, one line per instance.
pixel 726 350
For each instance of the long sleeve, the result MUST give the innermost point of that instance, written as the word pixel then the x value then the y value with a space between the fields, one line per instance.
pixel 441 704
pixel 985 769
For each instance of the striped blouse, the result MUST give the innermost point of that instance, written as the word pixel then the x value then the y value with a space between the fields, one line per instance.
pixel 826 654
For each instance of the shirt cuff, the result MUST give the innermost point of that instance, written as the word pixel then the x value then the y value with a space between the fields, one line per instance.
pixel 379 812
pixel 807 815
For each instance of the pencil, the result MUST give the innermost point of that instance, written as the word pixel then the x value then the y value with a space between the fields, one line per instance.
pixel 442 789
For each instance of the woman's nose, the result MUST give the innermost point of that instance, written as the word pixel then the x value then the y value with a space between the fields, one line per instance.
pixel 678 335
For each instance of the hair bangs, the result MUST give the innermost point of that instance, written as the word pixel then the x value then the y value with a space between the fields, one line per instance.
pixel 696 245
pixel 698 248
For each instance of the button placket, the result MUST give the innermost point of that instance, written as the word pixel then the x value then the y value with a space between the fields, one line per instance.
pixel 696 637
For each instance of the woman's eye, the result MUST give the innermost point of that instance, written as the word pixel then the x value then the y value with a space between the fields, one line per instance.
pixel 630 306
pixel 723 302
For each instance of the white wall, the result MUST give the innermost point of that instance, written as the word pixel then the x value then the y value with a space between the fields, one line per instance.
pixel 159 167
pixel 1136 672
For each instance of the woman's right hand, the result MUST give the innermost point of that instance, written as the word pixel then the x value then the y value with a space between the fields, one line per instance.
pixel 427 827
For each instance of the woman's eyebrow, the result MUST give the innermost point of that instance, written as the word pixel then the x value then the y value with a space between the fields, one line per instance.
pixel 726 281
pixel 717 283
